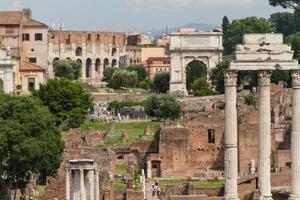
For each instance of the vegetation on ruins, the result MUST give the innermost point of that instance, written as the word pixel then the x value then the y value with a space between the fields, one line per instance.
pixel 67 100
pixel 196 183
pixel 30 142
pixel 250 100
pixel 108 73
pixel 117 105
pixel 141 71
pixel 238 28
pixel 123 79
pixel 201 88
pixel 135 131
pixel 161 82
pixel 162 107
pixel 146 84
pixel 68 69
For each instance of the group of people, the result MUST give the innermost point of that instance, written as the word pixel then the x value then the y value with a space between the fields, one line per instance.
pixel 155 189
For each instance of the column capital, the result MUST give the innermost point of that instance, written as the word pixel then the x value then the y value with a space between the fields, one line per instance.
pixel 264 77
pixel 230 78
pixel 296 78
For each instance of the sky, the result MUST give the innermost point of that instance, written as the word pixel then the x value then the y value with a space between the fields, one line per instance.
pixel 138 15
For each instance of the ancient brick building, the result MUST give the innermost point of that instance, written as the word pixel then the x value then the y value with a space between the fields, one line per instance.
pixel 95 50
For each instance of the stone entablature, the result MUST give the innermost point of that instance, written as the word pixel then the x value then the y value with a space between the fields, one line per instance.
pixel 186 47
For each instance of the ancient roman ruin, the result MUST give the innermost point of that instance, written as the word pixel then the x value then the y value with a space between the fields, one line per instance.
pixel 262 53
pixel 6 71
pixel 186 47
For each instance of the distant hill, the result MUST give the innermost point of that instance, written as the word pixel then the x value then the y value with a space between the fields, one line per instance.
pixel 199 26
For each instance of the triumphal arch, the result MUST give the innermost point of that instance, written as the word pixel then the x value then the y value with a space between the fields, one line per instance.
pixel 186 47
pixel 262 53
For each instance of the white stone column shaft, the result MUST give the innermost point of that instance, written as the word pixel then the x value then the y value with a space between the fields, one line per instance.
pixel 96 185
pixel 68 191
pixel 295 138
pixel 264 138
pixel 149 169
pixel 231 148
pixel 91 180
pixel 82 193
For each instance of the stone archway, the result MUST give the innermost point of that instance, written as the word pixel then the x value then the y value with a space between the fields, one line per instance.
pixel 186 47
pixel 194 70
pixel 88 69
pixel 105 63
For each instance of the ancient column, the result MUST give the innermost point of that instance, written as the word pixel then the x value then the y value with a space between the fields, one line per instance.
pixel 264 136
pixel 149 168
pixel 295 138
pixel 82 193
pixel 91 188
pixel 231 148
pixel 96 185
pixel 83 70
pixel 93 69
pixel 68 184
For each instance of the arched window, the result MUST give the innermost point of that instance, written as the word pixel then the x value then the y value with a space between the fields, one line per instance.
pixel 114 62
pixel 114 40
pixel 106 63
pixel 114 52
pixel 97 65
pixel 88 69
pixel 78 51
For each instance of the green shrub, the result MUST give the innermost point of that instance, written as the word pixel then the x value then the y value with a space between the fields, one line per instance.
pixel 250 100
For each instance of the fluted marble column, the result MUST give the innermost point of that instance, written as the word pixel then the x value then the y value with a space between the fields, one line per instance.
pixel 82 193
pixel 264 138
pixel 91 188
pixel 68 197
pixel 96 185
pixel 295 144
pixel 231 148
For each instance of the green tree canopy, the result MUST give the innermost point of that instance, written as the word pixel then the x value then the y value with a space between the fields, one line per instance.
pixel 201 88
pixel 68 69
pixel 162 107
pixel 67 100
pixel 283 22
pixel 161 82
pixel 225 24
pixel 294 41
pixel 140 70
pixel 217 76
pixel 285 3
pixel 238 28
pixel 108 73
pixel 194 70
pixel 30 143
pixel 123 78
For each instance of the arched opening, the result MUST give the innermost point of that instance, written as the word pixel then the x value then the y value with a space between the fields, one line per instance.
pixel 114 63
pixel 114 40
pixel 97 65
pixel 106 63
pixel 78 51
pixel 68 58
pixel 1 85
pixel 88 69
pixel 55 60
pixel 114 52
pixel 194 70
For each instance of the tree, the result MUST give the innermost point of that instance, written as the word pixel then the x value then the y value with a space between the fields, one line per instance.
pixel 283 22
pixel 67 69
pixel 293 4
pixel 108 73
pixel 217 76
pixel 67 100
pixel 140 70
pixel 162 107
pixel 123 78
pixel 200 87
pixel 194 70
pixel 146 84
pixel 225 24
pixel 161 82
pixel 294 41
pixel 238 28
pixel 30 143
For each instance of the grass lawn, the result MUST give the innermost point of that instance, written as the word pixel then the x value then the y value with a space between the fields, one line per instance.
pixel 121 169
pixel 119 185
pixel 135 131
pixel 196 183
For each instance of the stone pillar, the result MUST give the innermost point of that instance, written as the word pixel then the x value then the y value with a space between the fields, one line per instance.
pixel 83 70
pixel 68 191
pixel 82 193
pixel 295 140
pixel 264 138
pixel 149 169
pixel 96 185
pixel 93 70
pixel 231 148
pixel 91 181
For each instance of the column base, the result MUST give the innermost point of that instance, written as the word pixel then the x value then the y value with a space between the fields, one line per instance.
pixel 294 197
pixel 257 196
pixel 231 197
